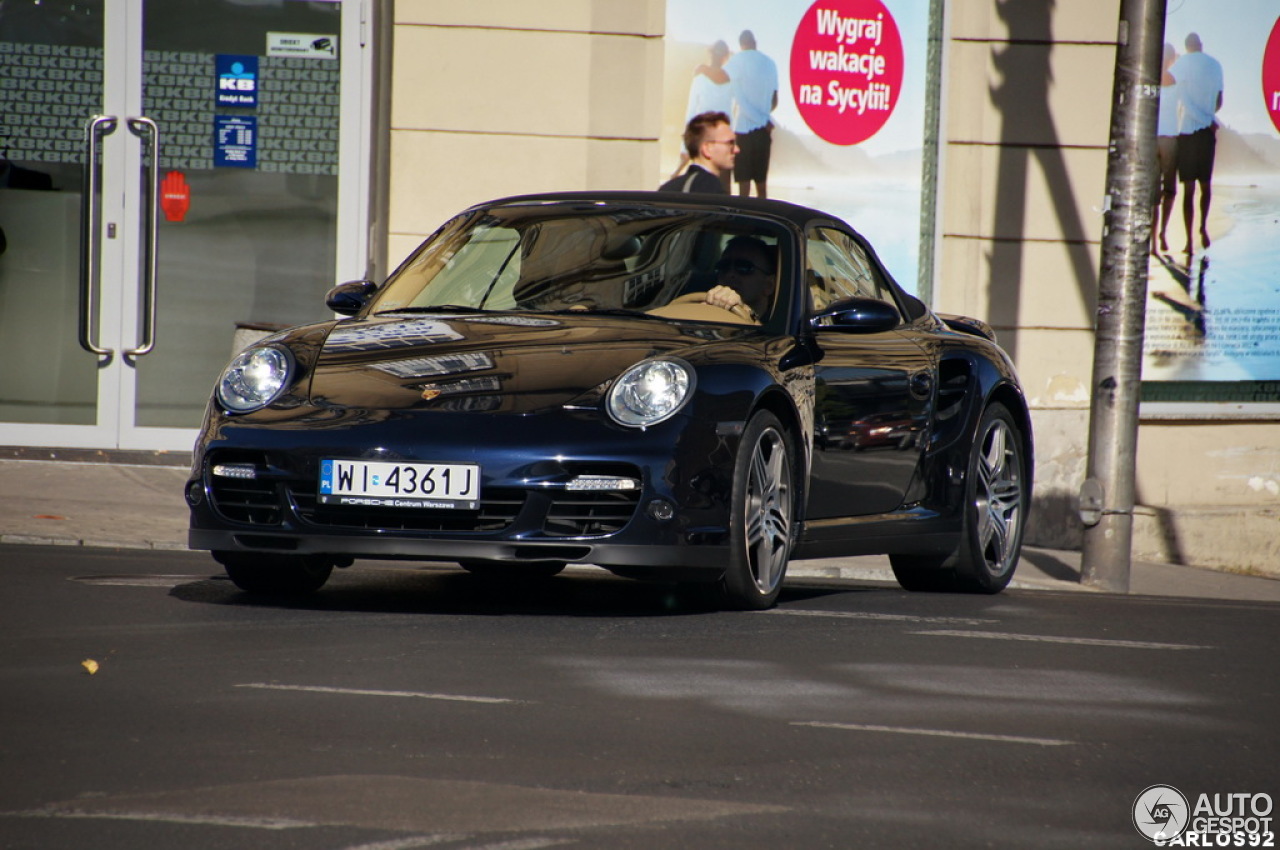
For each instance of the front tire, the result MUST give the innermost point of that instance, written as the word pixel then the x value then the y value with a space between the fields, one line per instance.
pixel 276 575
pixel 762 525
pixel 995 514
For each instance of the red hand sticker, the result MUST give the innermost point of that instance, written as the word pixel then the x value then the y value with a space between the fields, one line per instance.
pixel 846 69
pixel 175 196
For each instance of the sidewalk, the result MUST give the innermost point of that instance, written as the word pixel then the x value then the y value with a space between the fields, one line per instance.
pixel 123 506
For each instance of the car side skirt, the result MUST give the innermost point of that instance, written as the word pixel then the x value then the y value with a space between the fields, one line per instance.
pixel 914 531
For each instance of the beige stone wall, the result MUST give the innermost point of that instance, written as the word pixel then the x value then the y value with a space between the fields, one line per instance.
pixel 506 96
pixel 1210 494
pixel 503 97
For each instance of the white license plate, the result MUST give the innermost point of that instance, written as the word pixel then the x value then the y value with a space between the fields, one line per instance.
pixel 400 485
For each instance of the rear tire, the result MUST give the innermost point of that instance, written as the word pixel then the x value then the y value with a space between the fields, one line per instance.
pixel 276 575
pixel 994 516
pixel 762 525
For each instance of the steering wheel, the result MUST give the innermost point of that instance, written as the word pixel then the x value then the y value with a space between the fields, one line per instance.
pixel 741 310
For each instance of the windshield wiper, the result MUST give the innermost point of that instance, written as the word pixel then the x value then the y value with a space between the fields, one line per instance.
pixel 440 308
pixel 607 311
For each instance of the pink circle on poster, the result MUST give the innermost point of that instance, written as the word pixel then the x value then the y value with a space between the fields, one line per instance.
pixel 1271 75
pixel 846 69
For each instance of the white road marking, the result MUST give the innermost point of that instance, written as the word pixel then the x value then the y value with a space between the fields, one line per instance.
pixel 318 689
pixel 411 843
pixel 521 844
pixel 283 823
pixel 169 581
pixel 886 618
pixel 166 817
pixel 938 733
pixel 1075 641
pixel 433 840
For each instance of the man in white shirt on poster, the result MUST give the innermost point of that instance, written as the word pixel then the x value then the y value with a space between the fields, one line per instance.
pixel 753 77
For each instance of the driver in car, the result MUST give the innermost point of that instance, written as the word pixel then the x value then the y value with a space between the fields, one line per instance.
pixel 746 275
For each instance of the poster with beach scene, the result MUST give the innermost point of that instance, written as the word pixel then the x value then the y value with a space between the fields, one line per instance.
pixel 848 130
pixel 1212 342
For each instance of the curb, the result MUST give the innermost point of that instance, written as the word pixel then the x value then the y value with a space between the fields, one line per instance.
pixel 37 540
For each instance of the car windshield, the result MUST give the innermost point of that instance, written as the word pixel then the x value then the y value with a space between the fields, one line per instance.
pixel 546 258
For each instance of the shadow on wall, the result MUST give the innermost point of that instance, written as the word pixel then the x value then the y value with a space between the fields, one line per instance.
pixel 1168 540
pixel 1054 523
pixel 1028 133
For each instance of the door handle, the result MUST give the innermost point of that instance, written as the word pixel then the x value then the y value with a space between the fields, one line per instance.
pixel 96 127
pixel 146 130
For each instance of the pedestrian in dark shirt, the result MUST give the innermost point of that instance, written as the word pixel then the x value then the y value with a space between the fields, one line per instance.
pixel 712 146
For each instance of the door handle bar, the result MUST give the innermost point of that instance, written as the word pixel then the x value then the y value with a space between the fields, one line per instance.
pixel 96 127
pixel 146 129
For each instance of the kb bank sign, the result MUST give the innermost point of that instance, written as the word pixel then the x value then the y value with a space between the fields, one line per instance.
pixel 237 80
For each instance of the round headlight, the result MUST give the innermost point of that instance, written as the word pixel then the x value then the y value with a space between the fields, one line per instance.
pixel 254 378
pixel 650 392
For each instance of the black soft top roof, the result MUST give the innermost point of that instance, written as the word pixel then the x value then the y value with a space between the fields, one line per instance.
pixel 784 210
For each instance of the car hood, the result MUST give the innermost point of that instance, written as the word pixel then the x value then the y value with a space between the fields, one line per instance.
pixel 517 363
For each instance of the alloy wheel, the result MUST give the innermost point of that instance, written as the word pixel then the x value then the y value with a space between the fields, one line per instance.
pixel 999 496
pixel 768 511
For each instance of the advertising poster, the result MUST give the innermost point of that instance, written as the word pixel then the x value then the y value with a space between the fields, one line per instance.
pixel 1213 298
pixel 848 131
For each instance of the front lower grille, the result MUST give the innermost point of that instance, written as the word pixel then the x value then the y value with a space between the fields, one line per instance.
pixel 585 514
pixel 498 509
pixel 249 501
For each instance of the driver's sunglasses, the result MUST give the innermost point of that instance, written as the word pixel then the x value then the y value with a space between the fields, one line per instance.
pixel 739 266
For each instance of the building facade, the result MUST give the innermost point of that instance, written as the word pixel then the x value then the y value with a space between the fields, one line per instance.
pixel 433 105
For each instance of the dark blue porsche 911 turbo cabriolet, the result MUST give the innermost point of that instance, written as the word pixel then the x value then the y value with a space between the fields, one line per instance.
pixel 668 387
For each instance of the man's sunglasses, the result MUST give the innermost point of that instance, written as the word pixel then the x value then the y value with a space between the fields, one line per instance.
pixel 739 266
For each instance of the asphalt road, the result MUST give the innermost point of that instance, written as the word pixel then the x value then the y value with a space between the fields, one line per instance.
pixel 404 707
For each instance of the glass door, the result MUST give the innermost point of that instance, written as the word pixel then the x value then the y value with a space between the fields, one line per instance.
pixel 51 83
pixel 183 176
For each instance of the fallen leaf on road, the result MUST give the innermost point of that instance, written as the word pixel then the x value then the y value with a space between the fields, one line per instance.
pixel 90 665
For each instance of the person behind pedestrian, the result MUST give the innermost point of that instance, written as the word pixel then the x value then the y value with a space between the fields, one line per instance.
pixel 712 147
pixel 754 80
pixel 705 95
pixel 1199 84
pixel 1166 152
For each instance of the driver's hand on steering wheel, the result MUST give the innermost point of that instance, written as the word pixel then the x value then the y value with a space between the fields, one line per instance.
pixel 725 297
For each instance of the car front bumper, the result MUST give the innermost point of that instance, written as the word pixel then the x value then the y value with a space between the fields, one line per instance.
pixel 674 522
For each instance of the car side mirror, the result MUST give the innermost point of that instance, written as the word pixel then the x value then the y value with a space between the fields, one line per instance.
pixel 347 299
pixel 857 315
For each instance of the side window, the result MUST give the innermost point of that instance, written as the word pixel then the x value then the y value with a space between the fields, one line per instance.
pixel 836 267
